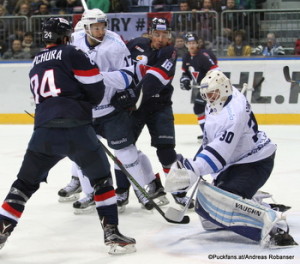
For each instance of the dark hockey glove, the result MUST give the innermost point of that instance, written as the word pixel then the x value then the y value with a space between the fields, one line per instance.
pixel 185 83
pixel 124 100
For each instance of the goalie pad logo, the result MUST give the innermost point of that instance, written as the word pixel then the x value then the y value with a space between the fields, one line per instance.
pixel 247 209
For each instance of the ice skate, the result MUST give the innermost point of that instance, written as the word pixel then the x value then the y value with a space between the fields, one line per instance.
pixel 119 244
pixel 6 228
pixel 182 199
pixel 281 239
pixel 71 192
pixel 156 191
pixel 122 199
pixel 199 139
pixel 143 200
pixel 85 205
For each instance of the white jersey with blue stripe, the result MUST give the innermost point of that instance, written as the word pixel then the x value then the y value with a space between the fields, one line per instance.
pixel 111 56
pixel 231 137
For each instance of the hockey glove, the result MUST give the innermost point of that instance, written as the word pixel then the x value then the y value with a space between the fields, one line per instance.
pixel 124 100
pixel 185 83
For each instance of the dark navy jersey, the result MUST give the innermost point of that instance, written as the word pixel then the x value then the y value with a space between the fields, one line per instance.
pixel 155 69
pixel 196 66
pixel 65 85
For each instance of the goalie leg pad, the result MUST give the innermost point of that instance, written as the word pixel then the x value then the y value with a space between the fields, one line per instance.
pixel 232 212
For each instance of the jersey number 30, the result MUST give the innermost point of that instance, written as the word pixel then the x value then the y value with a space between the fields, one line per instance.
pixel 44 89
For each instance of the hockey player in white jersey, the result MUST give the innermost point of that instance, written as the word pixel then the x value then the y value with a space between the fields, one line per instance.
pixel 240 158
pixel 113 58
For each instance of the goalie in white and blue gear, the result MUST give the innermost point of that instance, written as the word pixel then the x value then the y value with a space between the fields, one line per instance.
pixel 240 158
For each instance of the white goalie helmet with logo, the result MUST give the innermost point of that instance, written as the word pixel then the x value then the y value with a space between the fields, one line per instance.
pixel 215 88
pixel 93 16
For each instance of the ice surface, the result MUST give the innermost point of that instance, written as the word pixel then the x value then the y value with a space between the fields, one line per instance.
pixel 49 232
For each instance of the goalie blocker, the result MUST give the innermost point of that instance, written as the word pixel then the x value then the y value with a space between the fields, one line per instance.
pixel 242 216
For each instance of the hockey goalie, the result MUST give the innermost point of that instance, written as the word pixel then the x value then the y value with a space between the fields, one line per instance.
pixel 240 158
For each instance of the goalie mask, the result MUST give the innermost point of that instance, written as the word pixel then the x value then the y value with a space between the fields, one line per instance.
pixel 93 16
pixel 56 30
pixel 215 88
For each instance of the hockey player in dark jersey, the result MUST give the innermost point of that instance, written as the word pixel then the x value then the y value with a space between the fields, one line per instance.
pixel 155 68
pixel 65 84
pixel 195 64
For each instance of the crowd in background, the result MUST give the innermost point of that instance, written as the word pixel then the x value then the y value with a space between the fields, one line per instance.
pixel 21 44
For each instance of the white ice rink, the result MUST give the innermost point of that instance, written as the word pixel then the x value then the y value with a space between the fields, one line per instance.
pixel 49 232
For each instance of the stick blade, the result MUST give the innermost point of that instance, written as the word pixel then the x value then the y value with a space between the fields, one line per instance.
pixel 174 214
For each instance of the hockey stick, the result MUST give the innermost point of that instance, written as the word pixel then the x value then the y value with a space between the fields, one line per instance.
pixel 29 114
pixel 245 88
pixel 179 215
pixel 183 220
pixel 84 5
pixel 287 76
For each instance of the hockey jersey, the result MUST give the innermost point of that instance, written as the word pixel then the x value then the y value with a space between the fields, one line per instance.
pixel 231 137
pixel 155 70
pixel 65 84
pixel 196 66
pixel 113 59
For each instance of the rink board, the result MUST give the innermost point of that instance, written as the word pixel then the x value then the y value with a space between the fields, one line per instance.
pixel 274 101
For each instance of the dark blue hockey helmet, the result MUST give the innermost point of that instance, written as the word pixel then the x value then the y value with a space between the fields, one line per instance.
pixel 190 37
pixel 160 24
pixel 55 29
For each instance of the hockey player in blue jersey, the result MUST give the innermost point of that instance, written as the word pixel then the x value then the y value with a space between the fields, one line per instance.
pixel 155 62
pixel 195 64
pixel 65 85
pixel 240 158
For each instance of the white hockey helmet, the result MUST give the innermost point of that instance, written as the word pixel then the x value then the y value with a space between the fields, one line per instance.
pixel 215 88
pixel 93 16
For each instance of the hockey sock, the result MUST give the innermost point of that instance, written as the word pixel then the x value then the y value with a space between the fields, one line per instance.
pixel 121 179
pixel 146 166
pixel 201 121
pixel 129 158
pixel 106 202
pixel 14 203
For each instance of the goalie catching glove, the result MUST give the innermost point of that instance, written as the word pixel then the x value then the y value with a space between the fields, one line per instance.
pixel 125 100
pixel 181 176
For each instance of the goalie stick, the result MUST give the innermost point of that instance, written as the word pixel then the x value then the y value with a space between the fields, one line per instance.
pixel 287 76
pixel 179 215
pixel 184 220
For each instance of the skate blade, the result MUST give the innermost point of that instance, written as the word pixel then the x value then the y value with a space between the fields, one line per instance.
pixel 71 198
pixel 280 247
pixel 88 210
pixel 116 249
